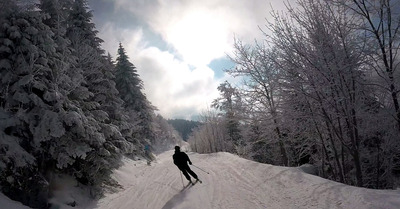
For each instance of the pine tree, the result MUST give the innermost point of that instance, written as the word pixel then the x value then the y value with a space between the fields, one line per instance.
pixel 167 136
pixel 81 28
pixel 101 140
pixel 130 88
pixel 29 114
pixel 112 104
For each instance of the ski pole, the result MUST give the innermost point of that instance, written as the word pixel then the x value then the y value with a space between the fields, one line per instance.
pixel 183 184
pixel 201 169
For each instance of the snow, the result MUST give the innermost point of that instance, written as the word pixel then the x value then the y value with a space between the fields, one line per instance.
pixel 5 202
pixel 67 194
pixel 232 182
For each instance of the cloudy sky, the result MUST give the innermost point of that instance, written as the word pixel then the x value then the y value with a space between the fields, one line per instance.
pixel 179 47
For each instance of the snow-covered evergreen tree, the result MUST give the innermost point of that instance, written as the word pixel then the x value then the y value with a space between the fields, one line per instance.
pixel 113 105
pixel 166 136
pixel 100 141
pixel 130 88
pixel 30 95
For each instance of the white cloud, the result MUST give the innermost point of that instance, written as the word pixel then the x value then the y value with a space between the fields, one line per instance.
pixel 114 35
pixel 172 86
pixel 179 83
pixel 202 31
pixel 199 37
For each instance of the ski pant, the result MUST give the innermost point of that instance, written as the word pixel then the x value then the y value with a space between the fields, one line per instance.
pixel 185 170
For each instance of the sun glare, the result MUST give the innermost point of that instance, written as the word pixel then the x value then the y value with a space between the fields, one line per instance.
pixel 199 37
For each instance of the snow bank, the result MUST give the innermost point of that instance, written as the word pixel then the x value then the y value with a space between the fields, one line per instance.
pixel 6 203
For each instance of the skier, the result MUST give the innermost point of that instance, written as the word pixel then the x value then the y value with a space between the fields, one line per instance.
pixel 147 153
pixel 180 160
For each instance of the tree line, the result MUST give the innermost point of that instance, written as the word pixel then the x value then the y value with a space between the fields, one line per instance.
pixel 322 88
pixel 183 127
pixel 65 106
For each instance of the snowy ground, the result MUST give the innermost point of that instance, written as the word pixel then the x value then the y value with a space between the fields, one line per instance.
pixel 233 182
pixel 6 203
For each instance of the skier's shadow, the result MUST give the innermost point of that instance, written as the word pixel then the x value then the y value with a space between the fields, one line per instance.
pixel 175 200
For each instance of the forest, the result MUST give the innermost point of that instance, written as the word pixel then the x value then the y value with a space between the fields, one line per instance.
pixel 66 108
pixel 321 88
pixel 184 127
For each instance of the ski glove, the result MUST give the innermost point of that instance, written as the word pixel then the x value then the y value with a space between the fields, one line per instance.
pixel 190 163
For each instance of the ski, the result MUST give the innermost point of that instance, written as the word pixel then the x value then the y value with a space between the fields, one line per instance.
pixel 190 184
pixel 197 180
pixel 187 186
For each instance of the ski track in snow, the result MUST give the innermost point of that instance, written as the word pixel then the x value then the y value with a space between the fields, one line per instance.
pixel 237 183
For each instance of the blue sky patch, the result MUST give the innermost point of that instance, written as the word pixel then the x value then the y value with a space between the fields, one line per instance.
pixel 220 65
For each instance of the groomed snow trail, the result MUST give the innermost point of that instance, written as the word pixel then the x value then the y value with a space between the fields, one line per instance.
pixel 234 182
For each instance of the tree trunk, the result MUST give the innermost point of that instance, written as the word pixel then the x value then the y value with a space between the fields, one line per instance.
pixel 357 163
pixel 393 92
pixel 336 155
pixel 284 157
pixel 378 163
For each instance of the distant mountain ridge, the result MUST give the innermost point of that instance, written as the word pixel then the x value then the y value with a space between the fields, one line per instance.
pixel 184 127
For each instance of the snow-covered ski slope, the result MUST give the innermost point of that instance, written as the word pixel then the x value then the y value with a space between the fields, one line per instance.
pixel 234 182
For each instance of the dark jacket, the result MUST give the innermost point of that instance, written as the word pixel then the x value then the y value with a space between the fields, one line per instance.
pixel 181 159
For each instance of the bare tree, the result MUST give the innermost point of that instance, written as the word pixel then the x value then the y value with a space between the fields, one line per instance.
pixel 231 105
pixel 211 136
pixel 380 20
pixel 319 52
pixel 261 86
